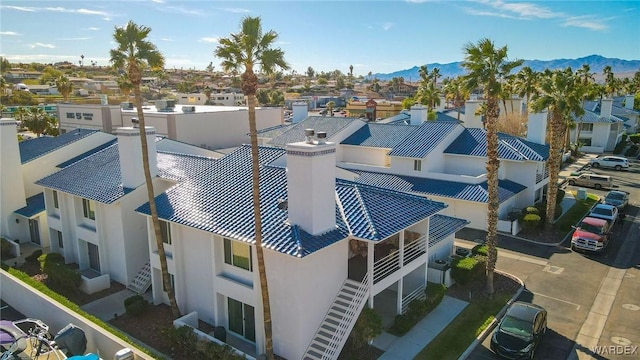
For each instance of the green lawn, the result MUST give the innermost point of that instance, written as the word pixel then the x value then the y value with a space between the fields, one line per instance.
pixel 461 332
pixel 577 211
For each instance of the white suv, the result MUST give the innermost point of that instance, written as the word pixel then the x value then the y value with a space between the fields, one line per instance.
pixel 614 162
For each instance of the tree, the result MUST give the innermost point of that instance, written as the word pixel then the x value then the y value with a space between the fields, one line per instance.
pixel 262 96
pixel 330 106
pixel 557 93
pixel 585 79
pixel 340 83
pixel 525 82
pixel 50 75
pixel 435 74
pixel 249 49
pixel 135 53
pixel 207 92
pixel 36 120
pixel 350 72
pixel 609 81
pixel 64 86
pixel 454 90
pixel 487 67
pixel 310 72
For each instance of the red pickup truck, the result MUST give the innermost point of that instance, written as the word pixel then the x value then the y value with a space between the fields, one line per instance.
pixel 592 235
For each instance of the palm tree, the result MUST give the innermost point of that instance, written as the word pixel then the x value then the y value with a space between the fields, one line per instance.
pixel 435 74
pixel 35 119
pixel 330 106
pixel 207 93
pixel 135 53
pixel 487 67
pixel 64 86
pixel 558 93
pixel 455 91
pixel 609 80
pixel 248 49
pixel 525 83
pixel 586 78
pixel 125 86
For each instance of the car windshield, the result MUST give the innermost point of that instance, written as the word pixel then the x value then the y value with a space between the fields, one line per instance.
pixel 601 211
pixel 517 327
pixel 590 228
pixel 615 196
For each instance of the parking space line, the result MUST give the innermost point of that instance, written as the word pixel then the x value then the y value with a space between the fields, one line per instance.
pixel 556 299
pixel 522 258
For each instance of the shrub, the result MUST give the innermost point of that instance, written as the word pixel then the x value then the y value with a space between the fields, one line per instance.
pixel 182 339
pixel 635 138
pixel 49 259
pixel 135 305
pixel 530 222
pixel 464 270
pixel 531 210
pixel 481 249
pixel 418 309
pixel 58 273
pixel 632 150
pixel 367 327
pixel 34 256
pixel 619 147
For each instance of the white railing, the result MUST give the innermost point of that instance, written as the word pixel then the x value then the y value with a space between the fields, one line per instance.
pixel 415 294
pixel 385 266
pixel 415 249
pixel 350 316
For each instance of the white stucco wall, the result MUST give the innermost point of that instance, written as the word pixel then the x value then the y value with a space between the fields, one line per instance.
pixel 523 173
pixel 91 116
pixel 465 165
pixel 301 292
pixel 365 155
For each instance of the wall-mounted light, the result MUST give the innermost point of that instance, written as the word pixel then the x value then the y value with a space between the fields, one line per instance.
pixel 17 221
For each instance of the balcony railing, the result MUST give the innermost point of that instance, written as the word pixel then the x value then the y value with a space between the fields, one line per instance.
pixel 544 175
pixel 391 263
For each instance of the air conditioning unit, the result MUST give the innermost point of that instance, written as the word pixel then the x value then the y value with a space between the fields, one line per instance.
pixel 126 106
pixel 188 108
pixel 165 105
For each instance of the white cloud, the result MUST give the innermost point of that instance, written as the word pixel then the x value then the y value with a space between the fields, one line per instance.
pixel 9 33
pixel 93 28
pixel 209 39
pixel 158 1
pixel 184 10
pixel 74 39
pixel 35 45
pixel 166 39
pixel 514 10
pixel 19 8
pixel 386 26
pixel 477 12
pixel 235 10
pixel 587 22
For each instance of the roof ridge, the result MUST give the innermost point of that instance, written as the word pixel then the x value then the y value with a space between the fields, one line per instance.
pixel 365 211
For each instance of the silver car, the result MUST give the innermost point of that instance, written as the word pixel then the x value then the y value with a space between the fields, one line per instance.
pixel 613 162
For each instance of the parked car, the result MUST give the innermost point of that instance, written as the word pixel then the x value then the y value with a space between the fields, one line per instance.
pixel 614 162
pixel 592 234
pixel 519 331
pixel 617 198
pixel 592 180
pixel 606 212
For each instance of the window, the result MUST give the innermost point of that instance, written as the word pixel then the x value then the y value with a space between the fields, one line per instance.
pixel 586 127
pixel 165 229
pixel 55 200
pixel 60 242
pixel 417 165
pixel 238 254
pixel 88 209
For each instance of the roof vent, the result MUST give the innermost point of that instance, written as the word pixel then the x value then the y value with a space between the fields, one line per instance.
pixel 283 204
pixel 126 106
pixel 308 134
pixel 188 108
pixel 322 136
pixel 135 122
pixel 165 105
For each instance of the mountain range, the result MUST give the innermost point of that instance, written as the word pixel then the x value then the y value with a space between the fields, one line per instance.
pixel 620 68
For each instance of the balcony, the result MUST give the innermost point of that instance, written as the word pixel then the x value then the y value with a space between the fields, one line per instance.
pixel 542 176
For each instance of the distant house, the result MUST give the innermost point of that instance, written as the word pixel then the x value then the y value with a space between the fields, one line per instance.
pixel 44 89
pixel 600 130
pixel 623 108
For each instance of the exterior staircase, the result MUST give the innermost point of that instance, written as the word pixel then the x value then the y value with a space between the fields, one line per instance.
pixel 141 283
pixel 339 321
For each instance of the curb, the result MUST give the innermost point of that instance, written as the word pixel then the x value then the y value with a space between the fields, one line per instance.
pixel 480 338
pixel 533 241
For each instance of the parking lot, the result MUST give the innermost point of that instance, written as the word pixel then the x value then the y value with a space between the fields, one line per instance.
pixel 572 285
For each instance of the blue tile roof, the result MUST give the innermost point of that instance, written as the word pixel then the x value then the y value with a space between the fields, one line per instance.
pixel 379 135
pixel 37 147
pixel 436 187
pixel 401 118
pixel 101 179
pixel 472 141
pixel 35 205
pixel 441 226
pixel 85 154
pixel 221 203
pixel 424 139
pixel 330 125
pixel 590 117
pixel 274 131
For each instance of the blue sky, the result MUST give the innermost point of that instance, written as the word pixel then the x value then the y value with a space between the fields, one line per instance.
pixel 376 36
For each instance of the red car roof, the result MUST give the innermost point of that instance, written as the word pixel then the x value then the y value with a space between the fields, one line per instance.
pixel 594 221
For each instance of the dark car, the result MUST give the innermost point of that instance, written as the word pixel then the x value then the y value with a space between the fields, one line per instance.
pixel 617 198
pixel 520 330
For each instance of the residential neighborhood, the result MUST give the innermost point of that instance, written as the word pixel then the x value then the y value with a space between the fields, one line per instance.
pixel 252 211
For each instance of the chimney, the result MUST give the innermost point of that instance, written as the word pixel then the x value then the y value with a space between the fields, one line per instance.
pixel 605 107
pixel 418 114
pixel 300 111
pixel 628 101
pixel 471 120
pixel 443 104
pixel 311 183
pixel 130 151
pixel 12 193
pixel 537 127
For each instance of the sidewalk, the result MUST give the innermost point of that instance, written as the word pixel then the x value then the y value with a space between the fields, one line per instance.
pixel 410 345
pixel 111 306
pixel 580 164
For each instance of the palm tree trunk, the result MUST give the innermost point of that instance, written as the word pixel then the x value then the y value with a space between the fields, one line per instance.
pixel 255 189
pixel 493 204
pixel 555 144
pixel 166 282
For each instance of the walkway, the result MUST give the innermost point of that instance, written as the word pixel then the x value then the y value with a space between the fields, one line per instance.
pixel 109 306
pixel 410 345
